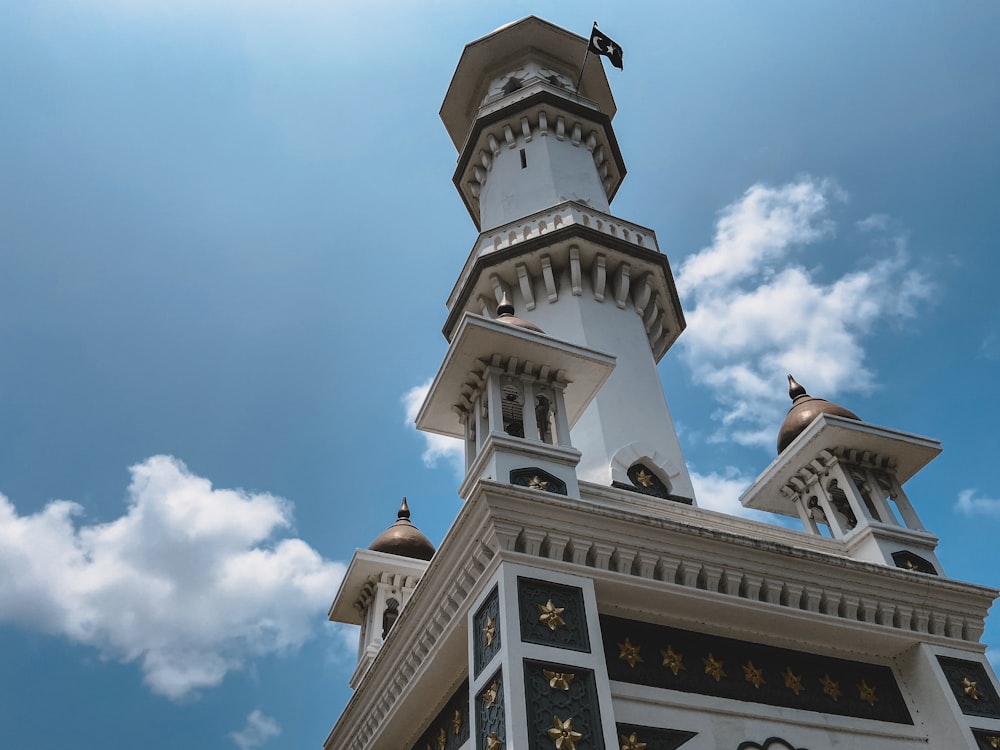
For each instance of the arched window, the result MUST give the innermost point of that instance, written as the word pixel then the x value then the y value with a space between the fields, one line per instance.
pixel 838 499
pixel 512 409
pixel 390 616
pixel 544 418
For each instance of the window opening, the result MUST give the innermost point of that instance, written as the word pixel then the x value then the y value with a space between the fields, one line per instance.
pixel 512 411
pixel 524 159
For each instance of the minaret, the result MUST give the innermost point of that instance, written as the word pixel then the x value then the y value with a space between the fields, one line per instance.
pixel 574 603
pixel 538 167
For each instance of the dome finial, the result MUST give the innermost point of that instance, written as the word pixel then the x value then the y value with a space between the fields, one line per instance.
pixel 505 307
pixel 403 538
pixel 505 314
pixel 795 389
pixel 803 411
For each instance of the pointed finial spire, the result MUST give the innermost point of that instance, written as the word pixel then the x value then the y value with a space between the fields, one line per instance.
pixel 505 307
pixel 404 511
pixel 794 388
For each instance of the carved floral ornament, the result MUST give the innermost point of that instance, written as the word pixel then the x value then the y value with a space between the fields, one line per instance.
pixel 490 694
pixel 629 653
pixel 970 688
pixel 489 631
pixel 551 615
pixel 631 743
pixel 559 680
pixel 673 660
pixel 563 734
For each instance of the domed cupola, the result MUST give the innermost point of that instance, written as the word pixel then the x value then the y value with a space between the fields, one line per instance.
pixel 803 411
pixel 505 314
pixel 403 538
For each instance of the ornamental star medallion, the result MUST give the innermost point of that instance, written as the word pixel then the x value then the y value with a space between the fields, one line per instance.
pixel 551 615
pixel 867 693
pixel 631 743
pixel 456 722
pixel 536 483
pixel 970 689
pixel 493 742
pixel 644 478
pixel 442 739
pixel 489 631
pixel 563 734
pixel 490 694
pixel 713 667
pixel 629 653
pixel 793 681
pixel 994 741
pixel 753 675
pixel 672 660
pixel 830 686
pixel 558 680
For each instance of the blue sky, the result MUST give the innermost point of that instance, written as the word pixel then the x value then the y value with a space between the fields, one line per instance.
pixel 227 230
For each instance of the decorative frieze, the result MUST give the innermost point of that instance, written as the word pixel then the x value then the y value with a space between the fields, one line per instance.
pixel 662 657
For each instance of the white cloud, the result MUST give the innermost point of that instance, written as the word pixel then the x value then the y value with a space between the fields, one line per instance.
pixel 190 582
pixel 990 347
pixel 873 223
pixel 970 505
pixel 256 732
pixel 342 643
pixel 438 447
pixel 757 316
pixel 721 491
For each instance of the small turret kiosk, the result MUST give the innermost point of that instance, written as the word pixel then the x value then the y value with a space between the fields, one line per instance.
pixel 581 599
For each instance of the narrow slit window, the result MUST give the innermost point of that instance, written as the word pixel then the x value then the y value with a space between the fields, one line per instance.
pixel 524 159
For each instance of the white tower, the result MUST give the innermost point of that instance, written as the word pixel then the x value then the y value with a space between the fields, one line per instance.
pixel 566 609
pixel 538 167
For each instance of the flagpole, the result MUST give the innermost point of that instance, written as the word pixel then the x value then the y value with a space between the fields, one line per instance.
pixel 586 54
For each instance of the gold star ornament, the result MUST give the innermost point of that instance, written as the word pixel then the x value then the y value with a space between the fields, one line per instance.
pixel 537 484
pixel 793 681
pixel 442 739
pixel 970 688
pixel 629 653
pixel 490 694
pixel 867 693
pixel 713 667
pixel 493 742
pixel 558 680
pixel 456 722
pixel 753 675
pixel 831 687
pixel 563 734
pixel 489 631
pixel 631 743
pixel 551 615
pixel 672 660
pixel 644 478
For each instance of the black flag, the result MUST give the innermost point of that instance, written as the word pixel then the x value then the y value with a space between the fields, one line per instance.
pixel 602 44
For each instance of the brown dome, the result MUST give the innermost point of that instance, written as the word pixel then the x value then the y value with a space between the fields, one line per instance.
pixel 403 538
pixel 505 314
pixel 804 410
